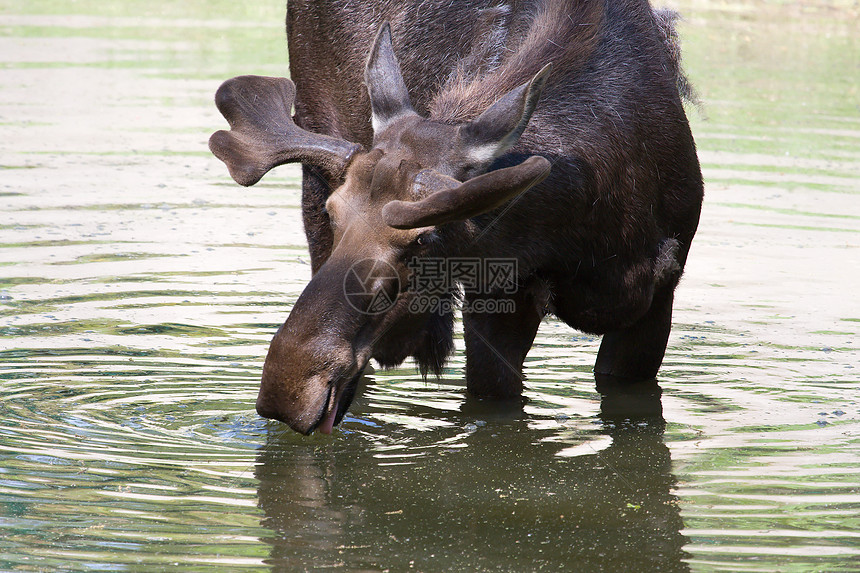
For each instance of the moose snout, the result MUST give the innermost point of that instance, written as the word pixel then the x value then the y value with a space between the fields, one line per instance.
pixel 300 408
pixel 304 370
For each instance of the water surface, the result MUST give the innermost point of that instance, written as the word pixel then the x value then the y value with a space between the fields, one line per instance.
pixel 139 288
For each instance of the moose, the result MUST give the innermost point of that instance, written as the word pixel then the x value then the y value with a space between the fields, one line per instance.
pixel 549 135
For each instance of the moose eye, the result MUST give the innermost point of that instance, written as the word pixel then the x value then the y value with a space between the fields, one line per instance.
pixel 425 239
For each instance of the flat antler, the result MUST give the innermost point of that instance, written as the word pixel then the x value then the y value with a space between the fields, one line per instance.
pixel 473 197
pixel 262 133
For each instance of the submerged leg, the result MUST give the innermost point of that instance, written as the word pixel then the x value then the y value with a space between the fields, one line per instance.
pixel 498 340
pixel 636 352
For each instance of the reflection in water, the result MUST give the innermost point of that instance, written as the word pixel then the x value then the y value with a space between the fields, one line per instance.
pixel 506 499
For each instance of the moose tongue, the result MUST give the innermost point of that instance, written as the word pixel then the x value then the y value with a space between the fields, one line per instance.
pixel 328 423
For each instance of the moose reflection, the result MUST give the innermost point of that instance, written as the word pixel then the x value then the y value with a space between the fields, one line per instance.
pixel 496 498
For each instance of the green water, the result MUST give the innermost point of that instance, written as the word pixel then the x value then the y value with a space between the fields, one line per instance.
pixel 139 288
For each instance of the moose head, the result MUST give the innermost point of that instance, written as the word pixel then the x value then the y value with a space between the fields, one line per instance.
pixel 399 201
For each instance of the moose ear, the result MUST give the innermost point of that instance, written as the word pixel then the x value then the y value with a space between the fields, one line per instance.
pixel 473 197
pixel 501 125
pixel 262 133
pixel 389 98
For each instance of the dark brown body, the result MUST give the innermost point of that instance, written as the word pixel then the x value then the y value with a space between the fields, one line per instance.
pixel 600 242
pixel 328 44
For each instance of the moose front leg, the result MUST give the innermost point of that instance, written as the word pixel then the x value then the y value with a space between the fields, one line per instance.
pixel 498 339
pixel 636 352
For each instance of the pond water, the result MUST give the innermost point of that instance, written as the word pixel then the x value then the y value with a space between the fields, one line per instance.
pixel 139 288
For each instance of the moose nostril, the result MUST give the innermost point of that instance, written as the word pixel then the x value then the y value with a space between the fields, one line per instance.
pixel 267 409
pixel 267 405
pixel 266 412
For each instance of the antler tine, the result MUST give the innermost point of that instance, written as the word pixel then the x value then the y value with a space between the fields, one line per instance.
pixel 478 195
pixel 262 133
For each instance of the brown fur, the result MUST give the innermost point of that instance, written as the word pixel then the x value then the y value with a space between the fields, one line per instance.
pixel 587 177
pixel 558 32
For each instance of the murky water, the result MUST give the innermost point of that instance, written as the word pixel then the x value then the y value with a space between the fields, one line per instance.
pixel 139 288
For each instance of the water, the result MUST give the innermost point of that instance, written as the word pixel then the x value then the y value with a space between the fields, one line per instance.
pixel 139 289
